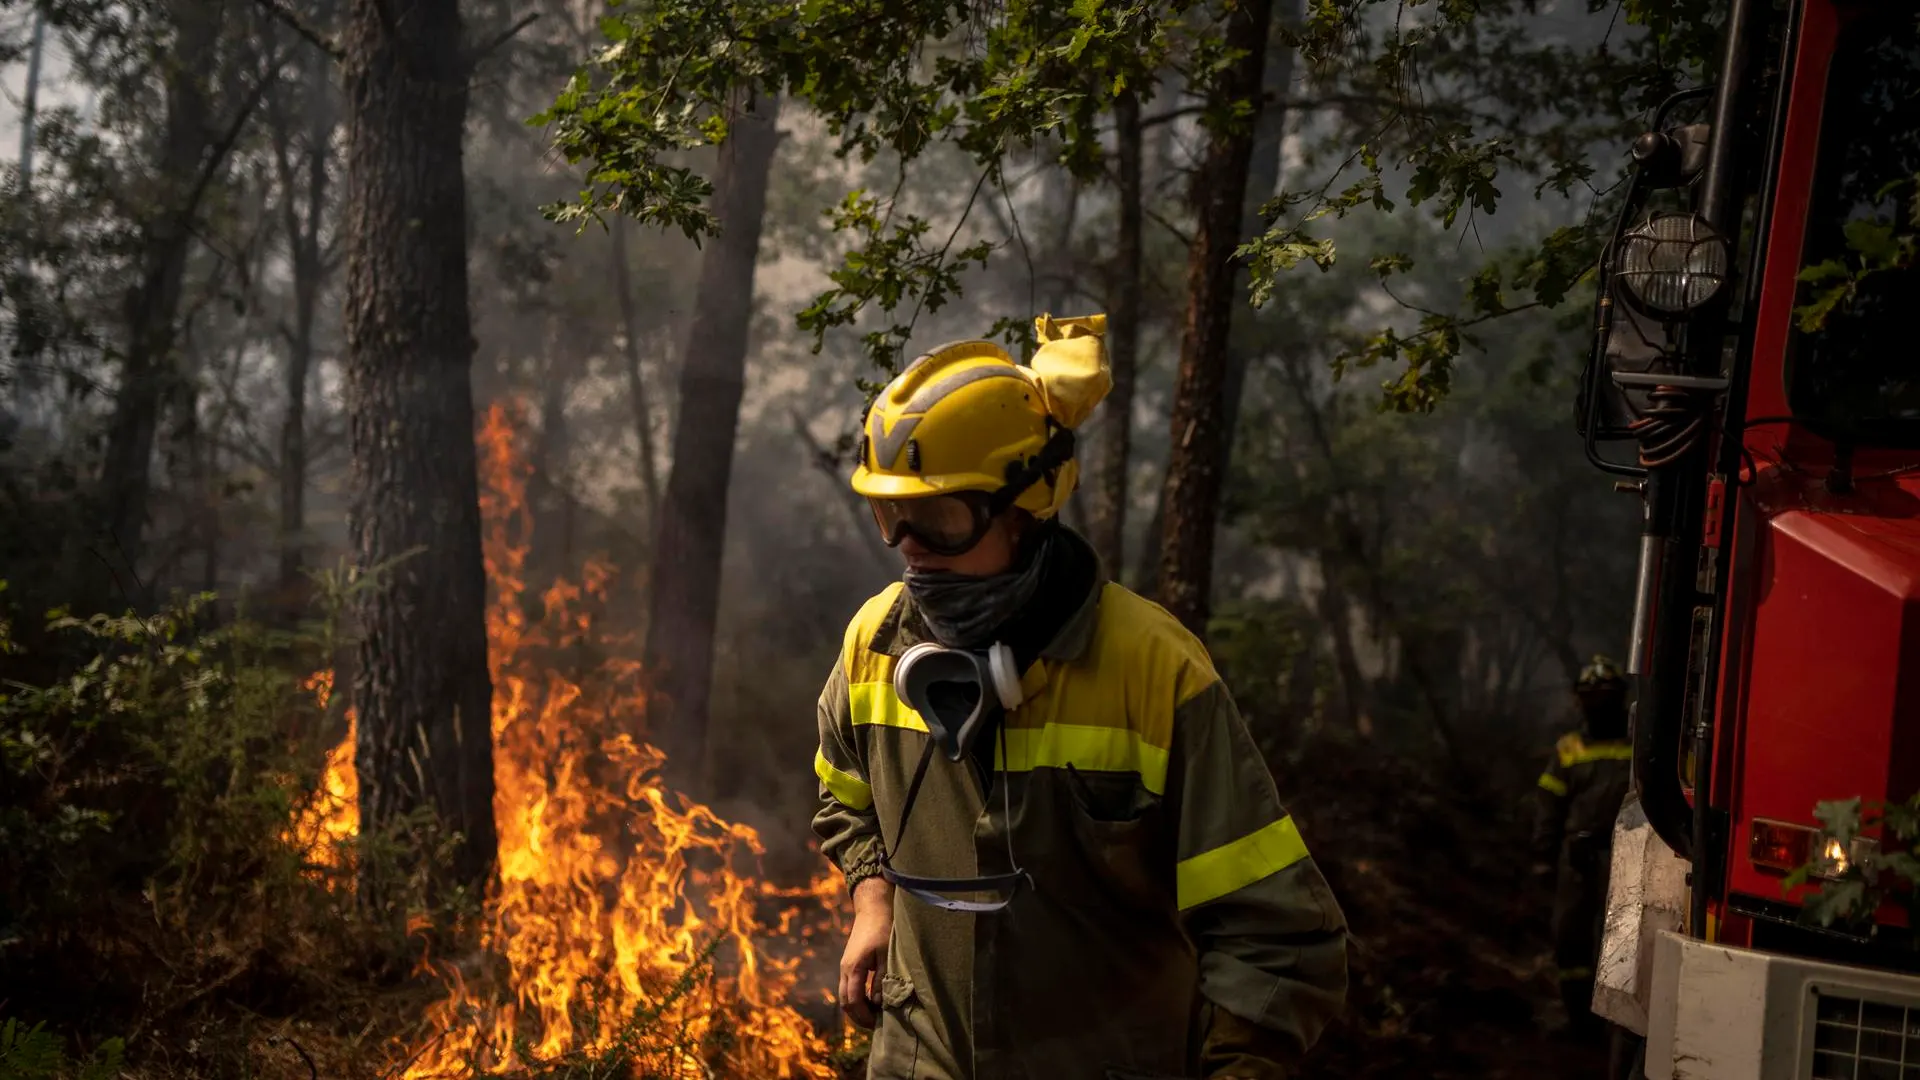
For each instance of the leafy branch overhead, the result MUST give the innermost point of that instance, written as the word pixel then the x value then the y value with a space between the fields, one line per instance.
pixel 1446 108
pixel 1877 245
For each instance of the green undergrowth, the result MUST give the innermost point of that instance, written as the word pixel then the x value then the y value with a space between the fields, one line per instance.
pixel 158 913
pixel 162 917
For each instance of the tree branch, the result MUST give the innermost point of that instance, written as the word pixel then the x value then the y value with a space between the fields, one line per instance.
pixel 475 55
pixel 299 25
pixel 1291 104
pixel 828 464
pixel 1185 238
pixel 217 156
pixel 1170 116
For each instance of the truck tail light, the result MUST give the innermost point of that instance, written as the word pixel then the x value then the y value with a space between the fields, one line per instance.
pixel 1781 846
pixel 1784 847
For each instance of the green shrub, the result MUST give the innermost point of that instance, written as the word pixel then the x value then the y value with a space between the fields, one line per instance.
pixel 1265 651
pixel 149 871
pixel 33 1053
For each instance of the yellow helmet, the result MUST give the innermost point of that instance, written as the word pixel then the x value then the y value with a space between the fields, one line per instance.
pixel 965 417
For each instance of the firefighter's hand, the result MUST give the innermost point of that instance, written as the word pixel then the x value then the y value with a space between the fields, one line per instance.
pixel 866 956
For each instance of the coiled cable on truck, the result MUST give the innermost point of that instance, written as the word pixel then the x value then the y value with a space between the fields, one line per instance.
pixel 1671 424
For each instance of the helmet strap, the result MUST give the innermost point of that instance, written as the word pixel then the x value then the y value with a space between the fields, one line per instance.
pixel 1026 472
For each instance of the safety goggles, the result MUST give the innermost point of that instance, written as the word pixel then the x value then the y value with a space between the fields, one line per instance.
pixel 943 524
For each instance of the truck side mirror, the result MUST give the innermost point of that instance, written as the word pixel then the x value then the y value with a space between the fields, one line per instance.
pixel 1672 158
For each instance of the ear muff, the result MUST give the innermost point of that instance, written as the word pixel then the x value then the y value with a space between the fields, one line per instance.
pixel 948 689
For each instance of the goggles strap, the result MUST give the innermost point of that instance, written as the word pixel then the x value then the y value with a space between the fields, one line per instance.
pixel 930 890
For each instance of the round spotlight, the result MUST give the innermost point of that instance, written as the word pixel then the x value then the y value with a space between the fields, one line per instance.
pixel 1672 264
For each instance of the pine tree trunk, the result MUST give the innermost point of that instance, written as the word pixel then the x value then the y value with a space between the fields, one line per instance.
pixel 1263 177
pixel 1193 480
pixel 153 303
pixel 636 377
pixel 421 685
pixel 1123 346
pixel 301 218
pixel 1337 615
pixel 549 492
pixel 691 536
pixel 30 98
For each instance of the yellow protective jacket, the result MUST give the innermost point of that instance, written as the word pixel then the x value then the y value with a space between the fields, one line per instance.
pixel 1176 926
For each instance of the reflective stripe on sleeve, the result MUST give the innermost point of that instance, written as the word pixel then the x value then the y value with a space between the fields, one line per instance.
pixel 1230 867
pixel 846 787
pixel 1553 783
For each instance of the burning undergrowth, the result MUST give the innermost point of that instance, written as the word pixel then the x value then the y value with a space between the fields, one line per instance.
pixel 627 921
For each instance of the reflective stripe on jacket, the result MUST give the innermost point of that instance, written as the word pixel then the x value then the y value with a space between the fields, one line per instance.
pixel 1580 792
pixel 1177 925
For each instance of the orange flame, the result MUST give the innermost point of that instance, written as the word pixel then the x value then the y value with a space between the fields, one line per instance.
pixel 327 824
pixel 611 889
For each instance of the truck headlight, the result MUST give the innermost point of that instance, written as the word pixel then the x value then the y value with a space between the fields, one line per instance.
pixel 1672 264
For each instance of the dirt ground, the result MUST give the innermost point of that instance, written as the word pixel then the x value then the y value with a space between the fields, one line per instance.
pixel 1451 974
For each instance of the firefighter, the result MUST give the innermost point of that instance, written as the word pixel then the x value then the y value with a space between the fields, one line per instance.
pixel 1579 796
pixel 1076 866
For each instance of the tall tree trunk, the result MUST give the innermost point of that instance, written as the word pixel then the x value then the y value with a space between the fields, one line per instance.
pixel 421 685
pixel 206 470
pixel 1061 201
pixel 551 493
pixel 30 99
pixel 153 304
pixel 1123 345
pixel 1192 488
pixel 691 535
pixel 1337 614
pixel 1263 176
pixel 636 378
pixel 1146 565
pixel 304 206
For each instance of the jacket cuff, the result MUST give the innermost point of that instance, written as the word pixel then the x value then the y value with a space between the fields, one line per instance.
pixel 860 861
pixel 1238 1049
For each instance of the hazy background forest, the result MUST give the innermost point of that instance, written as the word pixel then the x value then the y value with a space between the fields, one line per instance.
pixel 219 310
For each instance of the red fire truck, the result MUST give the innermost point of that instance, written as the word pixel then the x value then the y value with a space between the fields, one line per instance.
pixel 1776 632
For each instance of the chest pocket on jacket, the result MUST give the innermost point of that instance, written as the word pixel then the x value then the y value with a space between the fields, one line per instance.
pixel 1121 833
pixel 1109 798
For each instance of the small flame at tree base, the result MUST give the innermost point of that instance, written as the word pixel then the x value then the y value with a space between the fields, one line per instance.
pixel 616 899
pixel 329 821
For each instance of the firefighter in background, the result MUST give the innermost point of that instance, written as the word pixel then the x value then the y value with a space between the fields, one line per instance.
pixel 1075 866
pixel 1579 797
